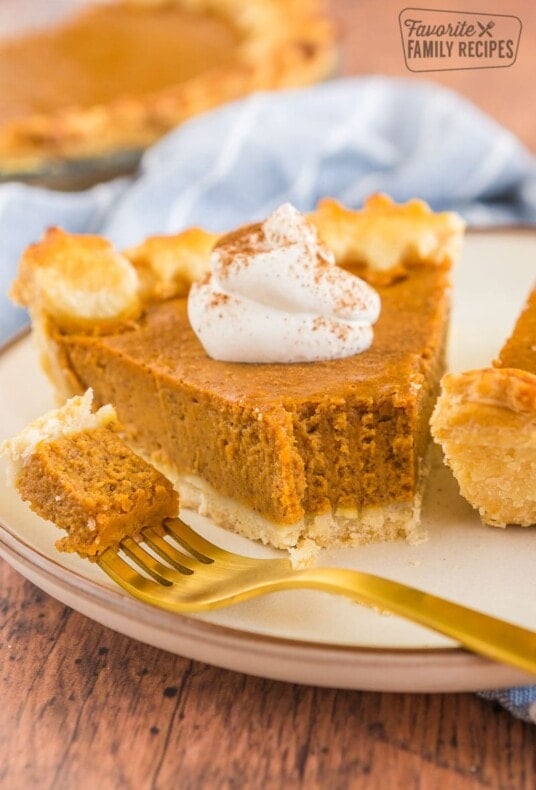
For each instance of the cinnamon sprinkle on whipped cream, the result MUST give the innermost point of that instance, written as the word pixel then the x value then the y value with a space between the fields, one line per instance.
pixel 275 294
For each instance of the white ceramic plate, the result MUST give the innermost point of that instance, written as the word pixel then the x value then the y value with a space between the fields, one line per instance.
pixel 307 636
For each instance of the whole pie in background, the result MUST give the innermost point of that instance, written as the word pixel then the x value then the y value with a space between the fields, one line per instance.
pixel 91 92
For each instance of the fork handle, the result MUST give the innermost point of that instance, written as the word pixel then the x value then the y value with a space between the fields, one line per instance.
pixel 481 633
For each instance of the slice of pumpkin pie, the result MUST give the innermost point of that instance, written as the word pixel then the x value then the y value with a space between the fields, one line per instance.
pixel 485 421
pixel 287 398
pixel 73 469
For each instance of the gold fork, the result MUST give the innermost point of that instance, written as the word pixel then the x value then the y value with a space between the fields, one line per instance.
pixel 208 577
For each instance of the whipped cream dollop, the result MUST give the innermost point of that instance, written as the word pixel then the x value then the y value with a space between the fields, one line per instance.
pixel 275 294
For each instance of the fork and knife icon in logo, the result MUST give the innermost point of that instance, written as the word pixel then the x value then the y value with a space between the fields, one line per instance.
pixel 486 29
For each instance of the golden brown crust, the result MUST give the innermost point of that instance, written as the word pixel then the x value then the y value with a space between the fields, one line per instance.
pixel 379 241
pixel 65 265
pixel 168 265
pixel 485 421
pixel 163 267
pixel 383 238
pixel 79 281
pixel 485 400
pixel 282 43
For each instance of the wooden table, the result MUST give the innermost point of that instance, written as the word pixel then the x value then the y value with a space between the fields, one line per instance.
pixel 82 707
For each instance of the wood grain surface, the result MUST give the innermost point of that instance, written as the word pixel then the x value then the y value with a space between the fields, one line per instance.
pixel 83 707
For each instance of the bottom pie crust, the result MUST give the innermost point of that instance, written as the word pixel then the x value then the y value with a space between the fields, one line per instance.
pixel 304 538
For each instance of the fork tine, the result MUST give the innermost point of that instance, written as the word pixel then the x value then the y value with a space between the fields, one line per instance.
pixel 159 572
pixel 201 549
pixel 182 562
pixel 132 580
pixel 123 573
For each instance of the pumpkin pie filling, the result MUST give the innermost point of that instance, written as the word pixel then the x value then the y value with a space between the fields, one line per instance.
pixel 332 451
pixel 109 51
pixel 519 351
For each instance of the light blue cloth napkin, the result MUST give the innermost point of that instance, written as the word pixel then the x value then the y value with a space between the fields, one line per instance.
pixel 345 138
